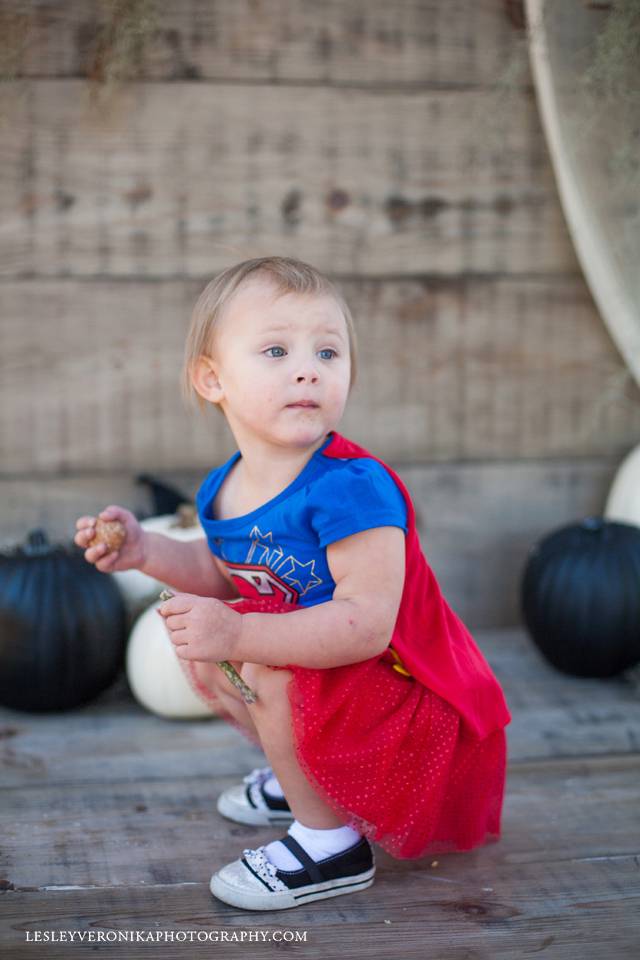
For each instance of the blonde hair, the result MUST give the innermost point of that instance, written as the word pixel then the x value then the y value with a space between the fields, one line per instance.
pixel 286 275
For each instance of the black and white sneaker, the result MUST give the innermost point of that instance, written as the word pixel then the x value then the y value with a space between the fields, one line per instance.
pixel 254 883
pixel 247 802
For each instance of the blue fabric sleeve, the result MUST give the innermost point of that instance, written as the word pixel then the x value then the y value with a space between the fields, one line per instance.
pixel 359 495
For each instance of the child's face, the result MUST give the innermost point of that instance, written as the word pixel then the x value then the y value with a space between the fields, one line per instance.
pixel 271 353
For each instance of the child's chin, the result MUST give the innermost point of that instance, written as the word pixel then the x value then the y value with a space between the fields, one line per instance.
pixel 306 434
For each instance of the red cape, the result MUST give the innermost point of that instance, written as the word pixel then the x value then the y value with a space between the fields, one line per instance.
pixel 431 640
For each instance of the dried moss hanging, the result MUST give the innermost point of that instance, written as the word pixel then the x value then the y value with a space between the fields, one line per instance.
pixel 612 82
pixel 115 54
pixel 15 27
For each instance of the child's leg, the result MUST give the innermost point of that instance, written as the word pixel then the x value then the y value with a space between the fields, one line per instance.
pixel 320 855
pixel 230 697
pixel 271 715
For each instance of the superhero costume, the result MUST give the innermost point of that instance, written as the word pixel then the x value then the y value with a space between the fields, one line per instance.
pixel 409 746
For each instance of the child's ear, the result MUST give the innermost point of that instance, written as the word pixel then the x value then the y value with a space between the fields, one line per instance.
pixel 205 379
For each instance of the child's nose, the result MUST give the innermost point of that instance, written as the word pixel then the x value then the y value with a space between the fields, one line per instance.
pixel 307 371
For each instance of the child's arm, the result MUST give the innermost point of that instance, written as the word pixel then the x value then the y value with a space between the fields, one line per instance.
pixel 187 566
pixel 369 570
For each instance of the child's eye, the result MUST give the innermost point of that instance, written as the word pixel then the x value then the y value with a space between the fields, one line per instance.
pixel 329 350
pixel 281 354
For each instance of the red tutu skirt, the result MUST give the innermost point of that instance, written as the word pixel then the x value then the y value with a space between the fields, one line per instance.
pixel 390 757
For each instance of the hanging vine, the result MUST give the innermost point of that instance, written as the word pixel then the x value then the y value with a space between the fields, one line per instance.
pixel 117 52
pixel 612 83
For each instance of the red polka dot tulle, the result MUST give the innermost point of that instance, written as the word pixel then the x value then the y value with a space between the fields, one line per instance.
pixel 389 755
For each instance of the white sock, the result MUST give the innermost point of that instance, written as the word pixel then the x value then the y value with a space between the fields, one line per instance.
pixel 319 844
pixel 273 788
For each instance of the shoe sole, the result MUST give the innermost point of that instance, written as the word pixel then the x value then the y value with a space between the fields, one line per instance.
pixel 294 898
pixel 256 818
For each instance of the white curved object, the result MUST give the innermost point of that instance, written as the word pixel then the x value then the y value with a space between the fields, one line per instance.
pixel 623 502
pixel 602 211
pixel 155 674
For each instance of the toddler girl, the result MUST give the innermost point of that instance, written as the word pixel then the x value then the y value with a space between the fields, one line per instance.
pixel 378 715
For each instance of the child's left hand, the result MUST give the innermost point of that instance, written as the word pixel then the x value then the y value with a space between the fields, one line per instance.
pixel 201 628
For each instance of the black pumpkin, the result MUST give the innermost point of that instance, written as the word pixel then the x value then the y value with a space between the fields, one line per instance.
pixel 580 597
pixel 62 627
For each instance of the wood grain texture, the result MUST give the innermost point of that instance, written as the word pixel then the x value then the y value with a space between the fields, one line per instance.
pixel 473 369
pixel 477 520
pixel 341 42
pixel 555 718
pixel 169 832
pixel 109 823
pixel 569 911
pixel 182 178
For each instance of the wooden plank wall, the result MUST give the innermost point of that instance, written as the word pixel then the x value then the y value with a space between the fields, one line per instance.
pixel 395 146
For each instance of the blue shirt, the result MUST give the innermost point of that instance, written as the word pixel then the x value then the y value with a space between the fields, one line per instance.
pixel 280 548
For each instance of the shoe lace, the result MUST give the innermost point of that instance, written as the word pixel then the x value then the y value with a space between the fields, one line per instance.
pixel 258 776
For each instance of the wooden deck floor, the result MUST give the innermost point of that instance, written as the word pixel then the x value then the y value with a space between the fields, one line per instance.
pixel 109 824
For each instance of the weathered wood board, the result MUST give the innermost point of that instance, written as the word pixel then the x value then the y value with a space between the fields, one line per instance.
pixel 555 717
pixel 165 832
pixel 183 179
pixel 474 369
pixel 566 910
pixel 109 824
pixel 337 42
pixel 474 529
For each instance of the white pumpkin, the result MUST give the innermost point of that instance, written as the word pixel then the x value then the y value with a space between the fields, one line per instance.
pixel 138 589
pixel 623 502
pixel 156 675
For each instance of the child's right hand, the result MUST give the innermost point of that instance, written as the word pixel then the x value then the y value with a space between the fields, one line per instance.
pixel 131 554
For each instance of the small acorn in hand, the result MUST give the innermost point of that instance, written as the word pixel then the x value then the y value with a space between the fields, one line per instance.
pixel 110 532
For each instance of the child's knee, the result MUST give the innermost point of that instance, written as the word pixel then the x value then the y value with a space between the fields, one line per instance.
pixel 265 682
pixel 221 683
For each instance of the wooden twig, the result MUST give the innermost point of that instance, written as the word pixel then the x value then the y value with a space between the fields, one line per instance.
pixel 227 668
